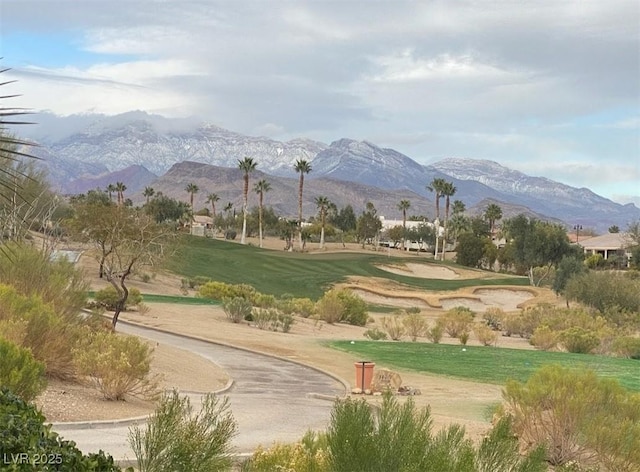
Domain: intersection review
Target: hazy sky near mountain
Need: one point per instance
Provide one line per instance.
(546, 87)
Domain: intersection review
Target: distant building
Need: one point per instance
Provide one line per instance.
(202, 225)
(607, 245)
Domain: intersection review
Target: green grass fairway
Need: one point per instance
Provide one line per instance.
(486, 364)
(302, 275)
(152, 298)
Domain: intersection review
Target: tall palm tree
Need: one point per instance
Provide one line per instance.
(261, 188)
(492, 214)
(436, 186)
(301, 166)
(148, 193)
(458, 207)
(246, 165)
(213, 198)
(403, 206)
(120, 188)
(111, 188)
(448, 191)
(191, 189)
(323, 205)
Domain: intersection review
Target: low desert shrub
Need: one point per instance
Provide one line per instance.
(435, 333)
(304, 307)
(108, 298)
(355, 308)
(308, 455)
(494, 316)
(176, 438)
(627, 346)
(219, 291)
(26, 431)
(117, 365)
(414, 325)
(393, 326)
(485, 335)
(577, 417)
(329, 308)
(544, 338)
(579, 340)
(236, 309)
(456, 321)
(375, 334)
(20, 372)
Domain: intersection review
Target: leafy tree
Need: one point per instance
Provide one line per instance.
(148, 193)
(261, 188)
(345, 219)
(436, 186)
(323, 205)
(492, 214)
(536, 244)
(569, 266)
(126, 239)
(480, 227)
(403, 206)
(247, 166)
(614, 229)
(396, 234)
(459, 224)
(302, 167)
(165, 209)
(469, 250)
(368, 224)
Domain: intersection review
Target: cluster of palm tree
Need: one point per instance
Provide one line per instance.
(118, 188)
(442, 189)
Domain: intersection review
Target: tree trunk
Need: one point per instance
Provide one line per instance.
(260, 218)
(122, 302)
(300, 210)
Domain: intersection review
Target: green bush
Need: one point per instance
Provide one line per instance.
(435, 333)
(605, 290)
(329, 308)
(20, 372)
(544, 338)
(577, 417)
(627, 346)
(117, 365)
(108, 298)
(456, 321)
(176, 438)
(24, 432)
(375, 334)
(354, 308)
(236, 309)
(579, 340)
(220, 290)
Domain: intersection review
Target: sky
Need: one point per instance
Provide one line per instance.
(550, 88)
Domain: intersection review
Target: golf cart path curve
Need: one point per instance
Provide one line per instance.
(272, 399)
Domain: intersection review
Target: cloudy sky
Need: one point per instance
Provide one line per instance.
(547, 87)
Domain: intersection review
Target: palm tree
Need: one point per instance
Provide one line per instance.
(261, 188)
(120, 188)
(448, 191)
(213, 198)
(303, 167)
(191, 189)
(492, 214)
(403, 206)
(458, 207)
(323, 205)
(111, 188)
(148, 193)
(246, 165)
(436, 186)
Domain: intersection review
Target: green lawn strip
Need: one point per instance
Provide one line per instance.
(486, 364)
(302, 275)
(153, 298)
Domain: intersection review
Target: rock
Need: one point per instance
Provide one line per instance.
(356, 391)
(377, 394)
(368, 392)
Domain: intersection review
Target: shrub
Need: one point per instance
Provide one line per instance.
(415, 325)
(627, 346)
(486, 336)
(434, 334)
(544, 338)
(264, 301)
(464, 338)
(117, 365)
(605, 290)
(176, 438)
(355, 308)
(307, 455)
(456, 321)
(330, 307)
(393, 327)
(304, 307)
(262, 318)
(285, 322)
(375, 334)
(579, 340)
(494, 316)
(20, 372)
(25, 431)
(108, 298)
(577, 417)
(236, 309)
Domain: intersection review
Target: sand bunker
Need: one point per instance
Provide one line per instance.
(424, 271)
(400, 302)
(505, 299)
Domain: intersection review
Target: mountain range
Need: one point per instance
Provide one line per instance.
(147, 150)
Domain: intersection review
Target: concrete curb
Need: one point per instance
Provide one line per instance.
(94, 424)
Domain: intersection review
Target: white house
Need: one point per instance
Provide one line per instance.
(607, 245)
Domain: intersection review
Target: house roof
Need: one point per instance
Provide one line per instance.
(202, 219)
(606, 241)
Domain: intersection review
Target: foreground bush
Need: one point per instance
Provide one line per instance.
(395, 437)
(237, 309)
(24, 432)
(578, 417)
(117, 365)
(342, 306)
(178, 439)
(20, 372)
